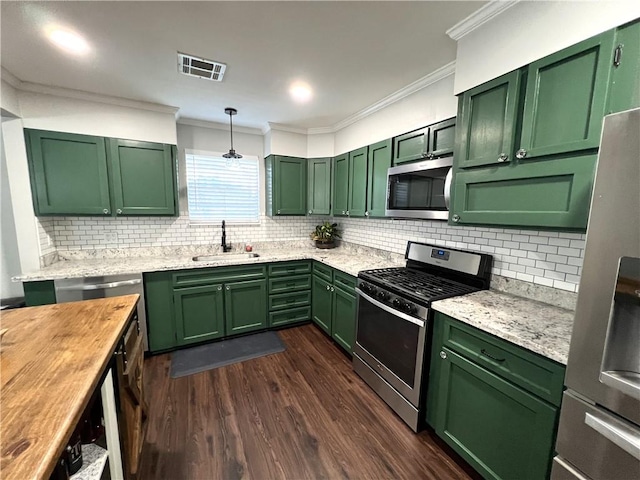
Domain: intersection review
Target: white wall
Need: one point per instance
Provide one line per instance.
(428, 105)
(287, 143)
(529, 31)
(320, 145)
(48, 112)
(9, 99)
(9, 253)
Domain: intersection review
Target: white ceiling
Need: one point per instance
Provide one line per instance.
(352, 53)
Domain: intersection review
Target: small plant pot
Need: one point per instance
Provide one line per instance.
(325, 244)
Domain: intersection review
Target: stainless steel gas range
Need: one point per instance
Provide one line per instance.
(394, 320)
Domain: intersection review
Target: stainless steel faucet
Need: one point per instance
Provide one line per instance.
(225, 247)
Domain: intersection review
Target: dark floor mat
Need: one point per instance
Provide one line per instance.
(214, 355)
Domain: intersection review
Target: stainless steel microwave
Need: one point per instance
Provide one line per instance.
(420, 190)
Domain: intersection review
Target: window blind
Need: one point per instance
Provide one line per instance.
(223, 189)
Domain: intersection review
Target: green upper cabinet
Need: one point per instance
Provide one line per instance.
(442, 137)
(411, 146)
(486, 134)
(83, 175)
(245, 306)
(341, 184)
(143, 178)
(379, 162)
(319, 186)
(199, 313)
(565, 99)
(357, 182)
(625, 77)
(69, 173)
(286, 185)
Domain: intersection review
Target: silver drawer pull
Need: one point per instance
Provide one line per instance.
(100, 286)
(487, 354)
(624, 437)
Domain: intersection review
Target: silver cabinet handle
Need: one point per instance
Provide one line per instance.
(278, 212)
(619, 434)
(424, 155)
(119, 211)
(443, 354)
(105, 211)
(310, 212)
(328, 287)
(228, 287)
(343, 212)
(521, 153)
(101, 286)
(347, 212)
(503, 157)
(332, 289)
(456, 218)
(431, 155)
(366, 214)
(220, 288)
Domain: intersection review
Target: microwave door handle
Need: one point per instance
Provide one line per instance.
(447, 189)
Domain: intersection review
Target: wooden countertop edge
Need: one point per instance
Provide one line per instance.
(60, 438)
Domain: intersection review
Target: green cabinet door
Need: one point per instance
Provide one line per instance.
(357, 182)
(290, 192)
(442, 138)
(39, 293)
(379, 162)
(245, 306)
(625, 76)
(341, 185)
(554, 193)
(319, 186)
(199, 313)
(565, 99)
(159, 306)
(411, 146)
(143, 178)
(487, 126)
(501, 430)
(344, 318)
(69, 173)
(322, 303)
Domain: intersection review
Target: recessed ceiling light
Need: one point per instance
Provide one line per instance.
(68, 41)
(301, 92)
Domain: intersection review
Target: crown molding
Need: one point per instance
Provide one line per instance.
(320, 130)
(194, 122)
(479, 17)
(285, 128)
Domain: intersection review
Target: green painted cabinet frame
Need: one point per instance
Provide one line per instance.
(319, 186)
(624, 93)
(69, 173)
(286, 185)
(143, 178)
(199, 313)
(340, 185)
(357, 182)
(343, 329)
(379, 161)
(442, 138)
(411, 146)
(322, 303)
(245, 306)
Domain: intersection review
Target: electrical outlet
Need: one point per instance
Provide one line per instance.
(111, 237)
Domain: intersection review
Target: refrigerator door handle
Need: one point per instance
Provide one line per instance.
(622, 436)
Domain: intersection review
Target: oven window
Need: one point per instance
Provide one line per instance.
(423, 190)
(392, 340)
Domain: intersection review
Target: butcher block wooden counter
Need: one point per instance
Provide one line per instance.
(51, 361)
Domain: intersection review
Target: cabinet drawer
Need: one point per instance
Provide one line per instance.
(186, 278)
(289, 300)
(344, 281)
(286, 317)
(538, 375)
(289, 284)
(323, 271)
(289, 268)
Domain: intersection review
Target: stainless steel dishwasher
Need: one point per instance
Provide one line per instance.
(76, 289)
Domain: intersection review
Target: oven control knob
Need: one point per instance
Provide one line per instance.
(366, 287)
(397, 302)
(382, 295)
(409, 308)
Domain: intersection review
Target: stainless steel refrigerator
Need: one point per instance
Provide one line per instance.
(599, 429)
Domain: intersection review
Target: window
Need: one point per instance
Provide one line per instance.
(223, 189)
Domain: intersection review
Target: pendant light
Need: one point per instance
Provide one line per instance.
(232, 153)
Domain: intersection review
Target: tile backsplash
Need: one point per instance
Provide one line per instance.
(552, 259)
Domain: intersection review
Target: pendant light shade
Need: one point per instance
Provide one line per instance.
(232, 153)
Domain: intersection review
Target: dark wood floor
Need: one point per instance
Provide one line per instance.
(298, 414)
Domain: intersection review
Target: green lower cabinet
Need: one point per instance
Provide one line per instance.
(39, 293)
(199, 313)
(159, 303)
(501, 430)
(554, 194)
(344, 319)
(245, 306)
(322, 303)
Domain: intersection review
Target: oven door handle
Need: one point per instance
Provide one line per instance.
(387, 308)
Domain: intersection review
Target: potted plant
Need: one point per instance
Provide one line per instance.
(325, 234)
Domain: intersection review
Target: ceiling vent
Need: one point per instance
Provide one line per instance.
(200, 67)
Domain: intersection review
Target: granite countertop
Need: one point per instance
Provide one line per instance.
(536, 326)
(347, 260)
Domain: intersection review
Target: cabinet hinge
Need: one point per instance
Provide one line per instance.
(617, 56)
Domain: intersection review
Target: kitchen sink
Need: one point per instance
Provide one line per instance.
(225, 257)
